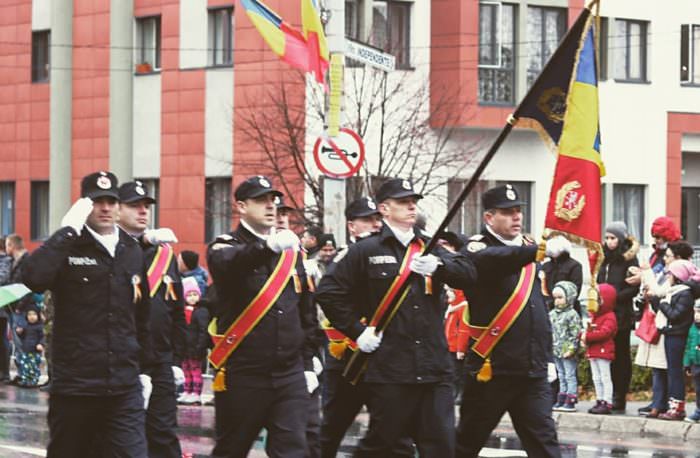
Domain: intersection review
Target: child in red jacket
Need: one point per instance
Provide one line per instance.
(598, 337)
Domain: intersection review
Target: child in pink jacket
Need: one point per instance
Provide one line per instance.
(598, 337)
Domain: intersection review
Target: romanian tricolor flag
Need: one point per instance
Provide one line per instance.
(303, 51)
(315, 39)
(563, 106)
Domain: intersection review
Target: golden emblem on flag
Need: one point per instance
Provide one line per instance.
(569, 202)
(552, 103)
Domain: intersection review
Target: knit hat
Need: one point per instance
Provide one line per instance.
(664, 227)
(569, 289)
(618, 229)
(189, 284)
(190, 259)
(684, 270)
(557, 245)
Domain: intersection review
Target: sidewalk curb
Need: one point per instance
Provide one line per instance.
(617, 424)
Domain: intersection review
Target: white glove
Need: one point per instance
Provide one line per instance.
(283, 240)
(425, 265)
(311, 381)
(146, 389)
(557, 245)
(159, 236)
(318, 367)
(178, 375)
(551, 372)
(78, 214)
(368, 340)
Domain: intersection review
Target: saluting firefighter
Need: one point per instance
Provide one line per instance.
(167, 318)
(101, 327)
(263, 331)
(409, 375)
(510, 345)
(342, 401)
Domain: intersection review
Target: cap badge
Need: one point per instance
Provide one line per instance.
(139, 190)
(263, 182)
(104, 182)
(406, 185)
(277, 200)
(371, 204)
(510, 194)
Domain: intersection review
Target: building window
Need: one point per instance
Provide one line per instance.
(41, 56)
(352, 19)
(469, 219)
(391, 29)
(628, 206)
(497, 53)
(40, 210)
(690, 54)
(147, 44)
(217, 219)
(7, 208)
(631, 46)
(153, 186)
(545, 29)
(221, 36)
(603, 49)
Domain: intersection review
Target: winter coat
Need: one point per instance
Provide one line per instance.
(563, 267)
(202, 277)
(197, 337)
(614, 271)
(566, 329)
(600, 336)
(5, 268)
(452, 322)
(31, 336)
(677, 305)
(691, 357)
(16, 276)
(653, 355)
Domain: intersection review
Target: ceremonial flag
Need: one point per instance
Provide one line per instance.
(306, 51)
(315, 39)
(563, 107)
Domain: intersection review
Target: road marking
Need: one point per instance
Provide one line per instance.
(500, 453)
(21, 449)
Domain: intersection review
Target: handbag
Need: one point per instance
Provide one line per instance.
(647, 330)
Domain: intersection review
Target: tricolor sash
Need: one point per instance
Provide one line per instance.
(159, 267)
(387, 307)
(225, 344)
(337, 341)
(488, 337)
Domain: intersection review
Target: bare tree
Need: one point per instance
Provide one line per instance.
(408, 135)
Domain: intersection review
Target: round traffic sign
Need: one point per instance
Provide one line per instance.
(340, 157)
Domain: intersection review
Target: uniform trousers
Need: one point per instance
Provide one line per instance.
(341, 403)
(161, 417)
(313, 426)
(76, 423)
(424, 412)
(245, 408)
(528, 401)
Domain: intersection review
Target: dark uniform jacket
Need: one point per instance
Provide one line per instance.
(280, 346)
(414, 347)
(167, 316)
(100, 335)
(526, 348)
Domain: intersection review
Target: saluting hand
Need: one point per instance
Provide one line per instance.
(78, 214)
(283, 240)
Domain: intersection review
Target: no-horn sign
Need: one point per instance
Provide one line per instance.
(340, 157)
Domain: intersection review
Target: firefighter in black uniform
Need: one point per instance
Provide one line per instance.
(266, 382)
(100, 332)
(167, 317)
(409, 376)
(342, 400)
(518, 363)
